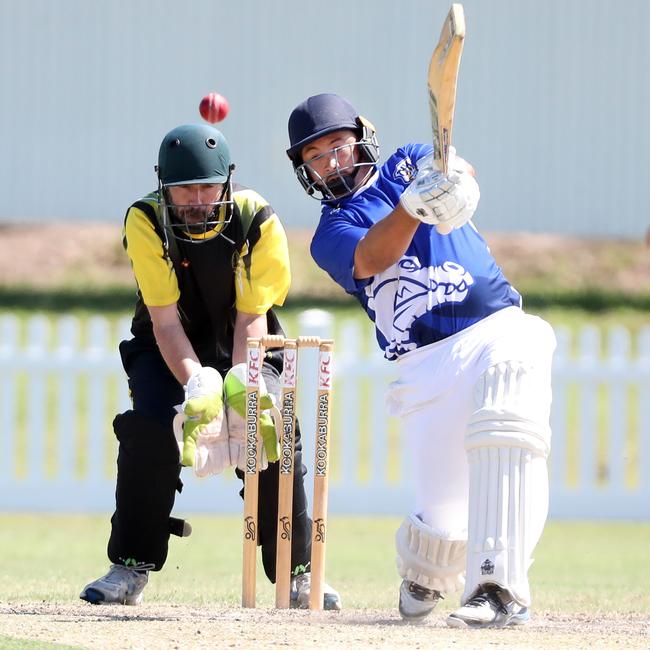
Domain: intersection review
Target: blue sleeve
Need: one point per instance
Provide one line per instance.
(417, 151)
(333, 249)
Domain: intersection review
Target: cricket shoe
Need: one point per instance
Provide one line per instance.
(416, 602)
(301, 588)
(121, 585)
(490, 607)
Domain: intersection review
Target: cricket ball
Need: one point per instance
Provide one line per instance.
(213, 107)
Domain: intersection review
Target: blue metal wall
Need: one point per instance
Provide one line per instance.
(552, 99)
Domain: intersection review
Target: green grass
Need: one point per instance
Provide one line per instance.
(10, 643)
(121, 299)
(572, 315)
(68, 299)
(591, 300)
(579, 567)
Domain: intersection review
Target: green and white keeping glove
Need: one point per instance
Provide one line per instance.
(235, 396)
(202, 421)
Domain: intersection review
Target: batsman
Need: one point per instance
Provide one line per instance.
(474, 370)
(210, 259)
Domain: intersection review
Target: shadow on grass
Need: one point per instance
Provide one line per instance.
(589, 300)
(106, 299)
(122, 299)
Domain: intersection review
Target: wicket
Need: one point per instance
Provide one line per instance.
(254, 358)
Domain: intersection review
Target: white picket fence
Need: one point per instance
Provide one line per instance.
(61, 384)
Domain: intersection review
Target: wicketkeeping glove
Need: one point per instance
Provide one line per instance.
(446, 202)
(203, 408)
(235, 396)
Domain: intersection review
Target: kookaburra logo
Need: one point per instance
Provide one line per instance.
(487, 568)
(319, 535)
(286, 528)
(407, 291)
(249, 523)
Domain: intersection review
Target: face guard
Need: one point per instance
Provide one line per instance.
(343, 180)
(197, 223)
(195, 155)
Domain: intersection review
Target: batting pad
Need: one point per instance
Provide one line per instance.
(429, 558)
(507, 443)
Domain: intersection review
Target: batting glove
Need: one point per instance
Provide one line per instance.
(446, 202)
(235, 394)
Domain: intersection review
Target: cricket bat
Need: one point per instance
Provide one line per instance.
(443, 75)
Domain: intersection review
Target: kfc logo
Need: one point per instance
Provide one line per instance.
(253, 367)
(290, 359)
(325, 371)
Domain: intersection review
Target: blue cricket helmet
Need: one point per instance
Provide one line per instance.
(317, 116)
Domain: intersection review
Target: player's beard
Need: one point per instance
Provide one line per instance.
(341, 182)
(193, 218)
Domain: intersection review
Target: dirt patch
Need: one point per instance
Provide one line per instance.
(152, 626)
(558, 262)
(65, 255)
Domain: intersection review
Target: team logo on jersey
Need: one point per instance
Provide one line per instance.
(405, 170)
(407, 291)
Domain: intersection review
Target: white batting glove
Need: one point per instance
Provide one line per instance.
(446, 202)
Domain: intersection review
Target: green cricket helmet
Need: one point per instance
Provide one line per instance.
(195, 154)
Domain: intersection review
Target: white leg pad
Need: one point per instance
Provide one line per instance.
(507, 444)
(430, 558)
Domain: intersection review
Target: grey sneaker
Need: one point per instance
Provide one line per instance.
(121, 585)
(416, 602)
(301, 588)
(490, 607)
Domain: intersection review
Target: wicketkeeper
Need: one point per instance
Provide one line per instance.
(474, 387)
(210, 258)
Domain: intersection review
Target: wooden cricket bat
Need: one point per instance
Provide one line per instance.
(443, 75)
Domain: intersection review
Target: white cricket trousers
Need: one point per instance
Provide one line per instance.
(434, 398)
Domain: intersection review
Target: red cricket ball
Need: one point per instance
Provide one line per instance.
(213, 107)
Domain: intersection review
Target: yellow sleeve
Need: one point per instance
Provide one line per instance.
(263, 274)
(153, 272)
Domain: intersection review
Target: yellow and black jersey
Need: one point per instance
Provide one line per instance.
(247, 269)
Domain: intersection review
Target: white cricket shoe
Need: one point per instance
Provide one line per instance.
(121, 585)
(416, 602)
(301, 588)
(490, 607)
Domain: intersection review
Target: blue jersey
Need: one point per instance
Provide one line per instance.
(440, 286)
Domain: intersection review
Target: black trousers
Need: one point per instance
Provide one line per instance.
(148, 471)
